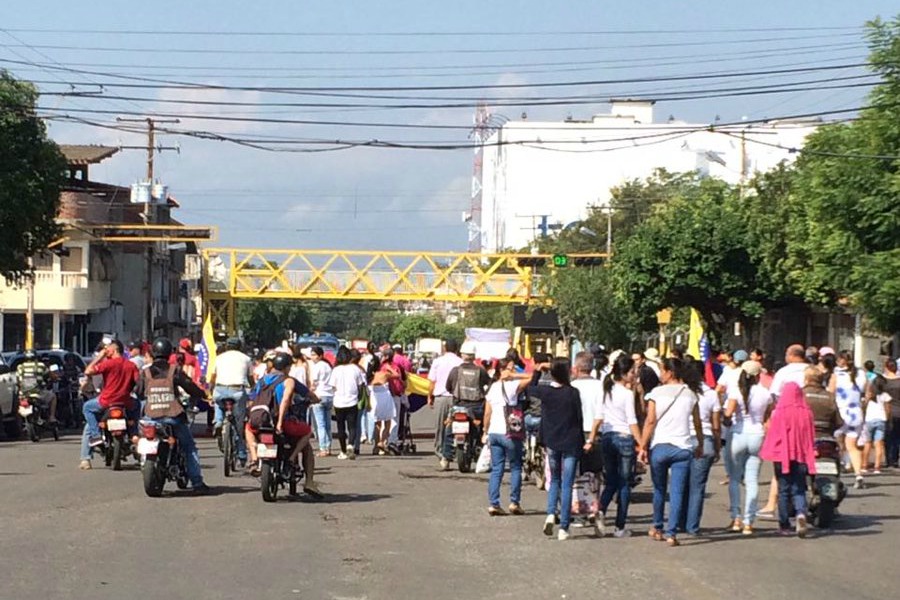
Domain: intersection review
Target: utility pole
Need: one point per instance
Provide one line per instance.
(148, 218)
(29, 309)
(609, 216)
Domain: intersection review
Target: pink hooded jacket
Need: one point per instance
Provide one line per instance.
(791, 436)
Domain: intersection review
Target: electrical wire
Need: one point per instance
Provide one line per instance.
(795, 150)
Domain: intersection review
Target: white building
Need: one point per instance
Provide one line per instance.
(540, 174)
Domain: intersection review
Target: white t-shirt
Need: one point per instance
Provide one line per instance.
(345, 381)
(320, 373)
(497, 401)
(791, 372)
(674, 407)
(618, 410)
(299, 372)
(709, 404)
(849, 397)
(875, 408)
(233, 368)
(759, 401)
(729, 378)
(591, 391)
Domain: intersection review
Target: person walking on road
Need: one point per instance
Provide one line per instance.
(617, 420)
(320, 373)
(504, 445)
(848, 384)
(671, 407)
(562, 431)
(749, 406)
(878, 415)
(892, 389)
(439, 398)
(710, 418)
(347, 381)
(790, 445)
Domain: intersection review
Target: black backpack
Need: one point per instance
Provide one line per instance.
(468, 383)
(266, 394)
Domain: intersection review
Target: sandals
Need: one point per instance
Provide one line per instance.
(672, 541)
(655, 535)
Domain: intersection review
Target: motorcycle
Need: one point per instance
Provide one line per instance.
(230, 437)
(115, 425)
(466, 431)
(35, 416)
(827, 490)
(534, 459)
(161, 458)
(276, 470)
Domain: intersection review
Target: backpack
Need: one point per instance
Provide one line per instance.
(160, 393)
(468, 384)
(265, 394)
(515, 417)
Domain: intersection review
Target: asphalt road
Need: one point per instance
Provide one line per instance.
(395, 528)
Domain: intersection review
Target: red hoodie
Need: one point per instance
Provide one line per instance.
(792, 433)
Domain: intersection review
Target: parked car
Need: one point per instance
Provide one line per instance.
(8, 406)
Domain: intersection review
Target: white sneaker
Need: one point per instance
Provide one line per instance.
(549, 522)
(445, 464)
(351, 455)
(342, 456)
(801, 526)
(621, 533)
(563, 535)
(600, 524)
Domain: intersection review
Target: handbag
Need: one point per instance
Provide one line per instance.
(515, 417)
(592, 460)
(364, 402)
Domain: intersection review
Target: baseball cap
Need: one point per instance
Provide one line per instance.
(751, 368)
(468, 348)
(741, 356)
(826, 350)
(185, 344)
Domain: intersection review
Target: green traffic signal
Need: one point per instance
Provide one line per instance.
(560, 260)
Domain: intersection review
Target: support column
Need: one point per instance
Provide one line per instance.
(57, 323)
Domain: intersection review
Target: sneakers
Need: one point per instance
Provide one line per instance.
(621, 533)
(445, 464)
(202, 490)
(860, 483)
(600, 524)
(95, 441)
(549, 522)
(342, 456)
(748, 530)
(876, 472)
(85, 465)
(515, 509)
(496, 511)
(801, 526)
(736, 526)
(351, 455)
(563, 535)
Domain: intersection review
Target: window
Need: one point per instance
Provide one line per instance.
(43, 261)
(73, 263)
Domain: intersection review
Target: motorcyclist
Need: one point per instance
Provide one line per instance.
(33, 379)
(826, 415)
(159, 387)
(119, 378)
(289, 411)
(467, 383)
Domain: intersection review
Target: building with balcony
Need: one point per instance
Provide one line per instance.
(94, 285)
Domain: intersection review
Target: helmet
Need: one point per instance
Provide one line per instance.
(468, 348)
(282, 361)
(233, 343)
(162, 348)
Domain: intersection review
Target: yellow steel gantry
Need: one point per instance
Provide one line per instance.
(231, 274)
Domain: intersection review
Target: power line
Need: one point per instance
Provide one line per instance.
(795, 150)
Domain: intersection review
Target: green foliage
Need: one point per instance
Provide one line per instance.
(587, 306)
(267, 323)
(493, 316)
(32, 170)
(413, 327)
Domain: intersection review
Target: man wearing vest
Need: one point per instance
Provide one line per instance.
(33, 379)
(467, 384)
(158, 386)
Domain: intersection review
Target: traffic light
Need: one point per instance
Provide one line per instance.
(588, 261)
(531, 261)
(560, 260)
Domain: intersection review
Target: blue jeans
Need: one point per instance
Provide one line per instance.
(85, 443)
(744, 453)
(692, 510)
(893, 450)
(239, 395)
(92, 412)
(322, 414)
(791, 486)
(663, 458)
(618, 462)
(186, 444)
(476, 411)
(563, 466)
(503, 449)
(367, 425)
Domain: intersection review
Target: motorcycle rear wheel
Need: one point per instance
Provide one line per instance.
(268, 482)
(154, 481)
(463, 460)
(227, 448)
(825, 514)
(117, 454)
(32, 430)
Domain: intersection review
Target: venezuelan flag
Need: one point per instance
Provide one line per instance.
(417, 391)
(207, 354)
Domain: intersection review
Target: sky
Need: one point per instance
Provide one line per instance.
(245, 67)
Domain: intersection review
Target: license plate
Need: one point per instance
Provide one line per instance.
(826, 468)
(264, 451)
(146, 446)
(25, 411)
(460, 427)
(116, 424)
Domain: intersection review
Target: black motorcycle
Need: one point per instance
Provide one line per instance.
(466, 432)
(35, 415)
(827, 490)
(115, 426)
(161, 458)
(276, 470)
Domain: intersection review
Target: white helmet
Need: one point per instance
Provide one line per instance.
(468, 348)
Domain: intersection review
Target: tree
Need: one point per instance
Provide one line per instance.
(413, 327)
(32, 170)
(267, 323)
(491, 316)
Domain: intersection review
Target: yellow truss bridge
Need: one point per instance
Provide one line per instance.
(231, 274)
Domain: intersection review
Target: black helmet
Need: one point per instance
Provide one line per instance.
(233, 343)
(162, 348)
(282, 361)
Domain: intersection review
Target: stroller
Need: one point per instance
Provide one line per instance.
(405, 443)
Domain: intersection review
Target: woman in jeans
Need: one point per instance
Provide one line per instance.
(790, 445)
(563, 436)
(671, 407)
(619, 432)
(749, 406)
(347, 380)
(504, 391)
(710, 413)
(319, 373)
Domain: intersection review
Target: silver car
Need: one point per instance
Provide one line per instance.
(8, 408)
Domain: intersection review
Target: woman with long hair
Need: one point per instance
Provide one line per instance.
(347, 380)
(710, 418)
(671, 407)
(749, 407)
(848, 384)
(319, 374)
(619, 434)
(563, 436)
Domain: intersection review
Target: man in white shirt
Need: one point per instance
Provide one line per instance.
(439, 399)
(795, 365)
(232, 378)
